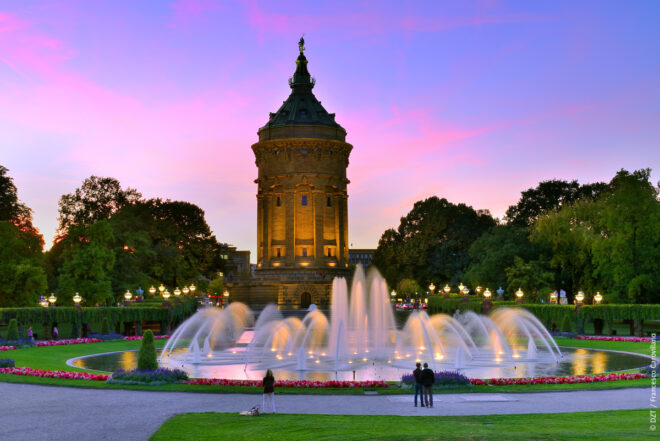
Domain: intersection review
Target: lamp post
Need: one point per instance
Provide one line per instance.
(487, 303)
(177, 292)
(579, 298)
(161, 289)
(166, 294)
(192, 289)
(598, 298)
(431, 288)
(185, 290)
(461, 287)
(127, 298)
(447, 290)
(52, 299)
(152, 290)
(393, 295)
(519, 295)
(478, 290)
(225, 294)
(76, 304)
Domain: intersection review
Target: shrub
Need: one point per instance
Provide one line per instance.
(147, 356)
(12, 330)
(442, 378)
(106, 337)
(6, 363)
(155, 377)
(105, 326)
(566, 324)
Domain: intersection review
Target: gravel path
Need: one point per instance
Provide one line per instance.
(35, 413)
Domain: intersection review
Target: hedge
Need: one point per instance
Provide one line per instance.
(28, 316)
(555, 313)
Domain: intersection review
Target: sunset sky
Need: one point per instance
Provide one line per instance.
(471, 101)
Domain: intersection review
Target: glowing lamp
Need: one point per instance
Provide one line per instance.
(431, 287)
(152, 290)
(77, 299)
(192, 289)
(598, 298)
(161, 288)
(166, 294)
(461, 287)
(487, 293)
(520, 293)
(185, 290)
(52, 299)
(225, 293)
(447, 289)
(393, 293)
(579, 297)
(128, 295)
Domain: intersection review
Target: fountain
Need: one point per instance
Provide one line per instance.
(360, 335)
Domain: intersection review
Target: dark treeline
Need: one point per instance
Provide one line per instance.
(560, 235)
(109, 240)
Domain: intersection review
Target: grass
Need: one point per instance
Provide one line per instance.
(639, 348)
(619, 424)
(55, 357)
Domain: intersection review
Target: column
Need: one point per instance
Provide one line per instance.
(290, 228)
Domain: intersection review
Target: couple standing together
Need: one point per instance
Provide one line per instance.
(424, 379)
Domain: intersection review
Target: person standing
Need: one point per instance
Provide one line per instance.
(30, 334)
(428, 378)
(417, 374)
(269, 392)
(55, 332)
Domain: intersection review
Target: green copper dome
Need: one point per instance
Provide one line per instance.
(302, 115)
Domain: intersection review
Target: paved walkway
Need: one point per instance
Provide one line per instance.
(34, 413)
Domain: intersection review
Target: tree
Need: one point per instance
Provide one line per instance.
(431, 243)
(532, 277)
(22, 277)
(11, 209)
(408, 287)
(494, 251)
(550, 196)
(97, 199)
(627, 254)
(88, 261)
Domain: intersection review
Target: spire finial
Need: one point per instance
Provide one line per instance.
(301, 44)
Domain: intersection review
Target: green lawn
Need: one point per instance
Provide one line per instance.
(607, 425)
(639, 348)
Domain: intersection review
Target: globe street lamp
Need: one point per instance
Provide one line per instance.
(76, 303)
(478, 290)
(447, 290)
(579, 297)
(52, 299)
(225, 294)
(431, 288)
(177, 291)
(127, 295)
(487, 304)
(185, 290)
(393, 295)
(487, 293)
(598, 298)
(166, 294)
(77, 299)
(161, 288)
(192, 289)
(520, 295)
(465, 290)
(461, 287)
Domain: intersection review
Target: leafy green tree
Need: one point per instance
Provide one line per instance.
(627, 256)
(12, 330)
(431, 243)
(550, 196)
(494, 251)
(87, 264)
(216, 285)
(22, 277)
(408, 287)
(97, 199)
(532, 277)
(147, 358)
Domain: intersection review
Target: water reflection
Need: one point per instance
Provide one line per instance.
(576, 361)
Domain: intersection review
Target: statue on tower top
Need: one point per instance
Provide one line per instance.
(301, 44)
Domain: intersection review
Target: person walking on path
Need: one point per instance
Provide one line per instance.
(428, 378)
(269, 392)
(417, 374)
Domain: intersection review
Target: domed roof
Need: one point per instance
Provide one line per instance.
(302, 115)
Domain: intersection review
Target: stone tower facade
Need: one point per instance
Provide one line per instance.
(302, 215)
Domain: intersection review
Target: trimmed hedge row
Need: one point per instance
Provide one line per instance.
(24, 316)
(560, 315)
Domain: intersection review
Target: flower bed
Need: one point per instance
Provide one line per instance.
(605, 338)
(159, 376)
(557, 380)
(29, 372)
(7, 348)
(139, 337)
(442, 378)
(73, 341)
(288, 383)
(6, 363)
